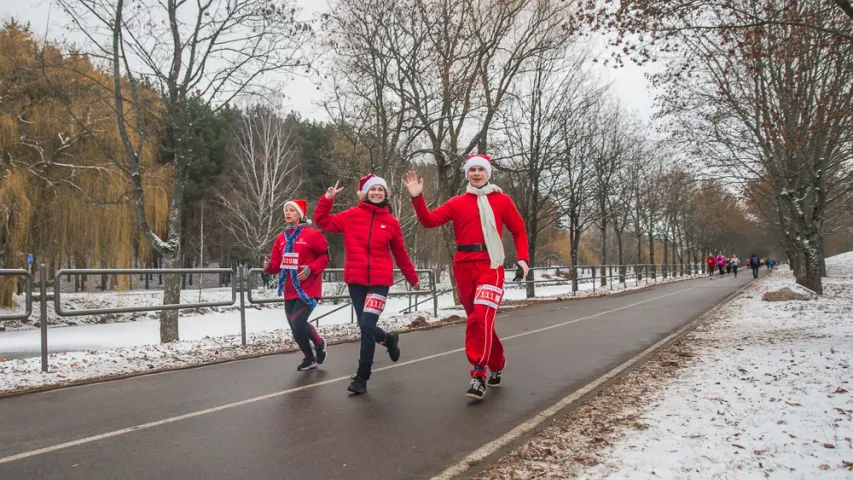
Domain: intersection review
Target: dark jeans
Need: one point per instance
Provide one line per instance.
(722, 269)
(370, 333)
(304, 333)
(734, 270)
(754, 272)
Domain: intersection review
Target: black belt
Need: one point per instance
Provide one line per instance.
(472, 247)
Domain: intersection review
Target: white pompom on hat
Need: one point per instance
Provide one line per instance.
(479, 160)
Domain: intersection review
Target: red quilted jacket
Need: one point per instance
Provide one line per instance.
(371, 235)
(312, 248)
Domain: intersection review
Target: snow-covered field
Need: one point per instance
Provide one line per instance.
(104, 350)
(758, 390)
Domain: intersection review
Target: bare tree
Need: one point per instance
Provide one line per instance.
(607, 156)
(434, 74)
(650, 204)
(769, 106)
(627, 181)
(261, 176)
(207, 50)
(367, 41)
(541, 102)
(574, 172)
(644, 30)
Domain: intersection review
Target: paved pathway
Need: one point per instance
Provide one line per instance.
(261, 419)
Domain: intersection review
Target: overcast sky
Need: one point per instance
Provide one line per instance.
(301, 95)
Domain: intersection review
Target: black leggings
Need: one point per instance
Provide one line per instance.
(370, 333)
(304, 333)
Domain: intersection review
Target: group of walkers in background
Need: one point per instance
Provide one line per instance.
(725, 265)
(373, 243)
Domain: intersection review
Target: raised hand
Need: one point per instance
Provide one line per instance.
(303, 274)
(413, 184)
(332, 191)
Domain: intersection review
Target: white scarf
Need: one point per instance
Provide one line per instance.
(494, 245)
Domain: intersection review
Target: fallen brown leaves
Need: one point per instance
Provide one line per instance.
(573, 442)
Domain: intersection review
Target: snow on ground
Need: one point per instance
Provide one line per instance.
(758, 390)
(69, 367)
(104, 350)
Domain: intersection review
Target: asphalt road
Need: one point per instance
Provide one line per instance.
(261, 419)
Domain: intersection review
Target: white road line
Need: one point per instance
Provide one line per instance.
(165, 421)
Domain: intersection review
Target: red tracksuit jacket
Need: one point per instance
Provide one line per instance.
(312, 249)
(368, 231)
(463, 210)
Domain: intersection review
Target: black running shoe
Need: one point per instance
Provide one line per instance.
(357, 385)
(392, 343)
(307, 364)
(477, 389)
(320, 351)
(494, 380)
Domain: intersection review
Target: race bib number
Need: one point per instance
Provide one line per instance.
(375, 303)
(489, 296)
(289, 261)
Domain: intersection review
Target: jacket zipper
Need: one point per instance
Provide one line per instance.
(369, 235)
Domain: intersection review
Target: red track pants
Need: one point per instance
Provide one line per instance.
(481, 290)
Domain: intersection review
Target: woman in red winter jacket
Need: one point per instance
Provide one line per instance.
(371, 236)
(300, 253)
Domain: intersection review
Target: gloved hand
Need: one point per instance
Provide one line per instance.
(519, 274)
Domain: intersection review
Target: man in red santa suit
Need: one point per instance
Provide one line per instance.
(478, 216)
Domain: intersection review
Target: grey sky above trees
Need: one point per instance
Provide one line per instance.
(302, 94)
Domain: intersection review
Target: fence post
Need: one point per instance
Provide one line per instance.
(593, 280)
(610, 276)
(43, 314)
(434, 293)
(241, 285)
(574, 278)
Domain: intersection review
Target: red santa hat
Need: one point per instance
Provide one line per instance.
(301, 206)
(479, 160)
(371, 180)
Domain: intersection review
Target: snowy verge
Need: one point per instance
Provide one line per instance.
(77, 367)
(757, 390)
(17, 375)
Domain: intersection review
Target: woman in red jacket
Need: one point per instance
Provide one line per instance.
(371, 236)
(300, 253)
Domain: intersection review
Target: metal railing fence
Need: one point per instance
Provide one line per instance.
(242, 289)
